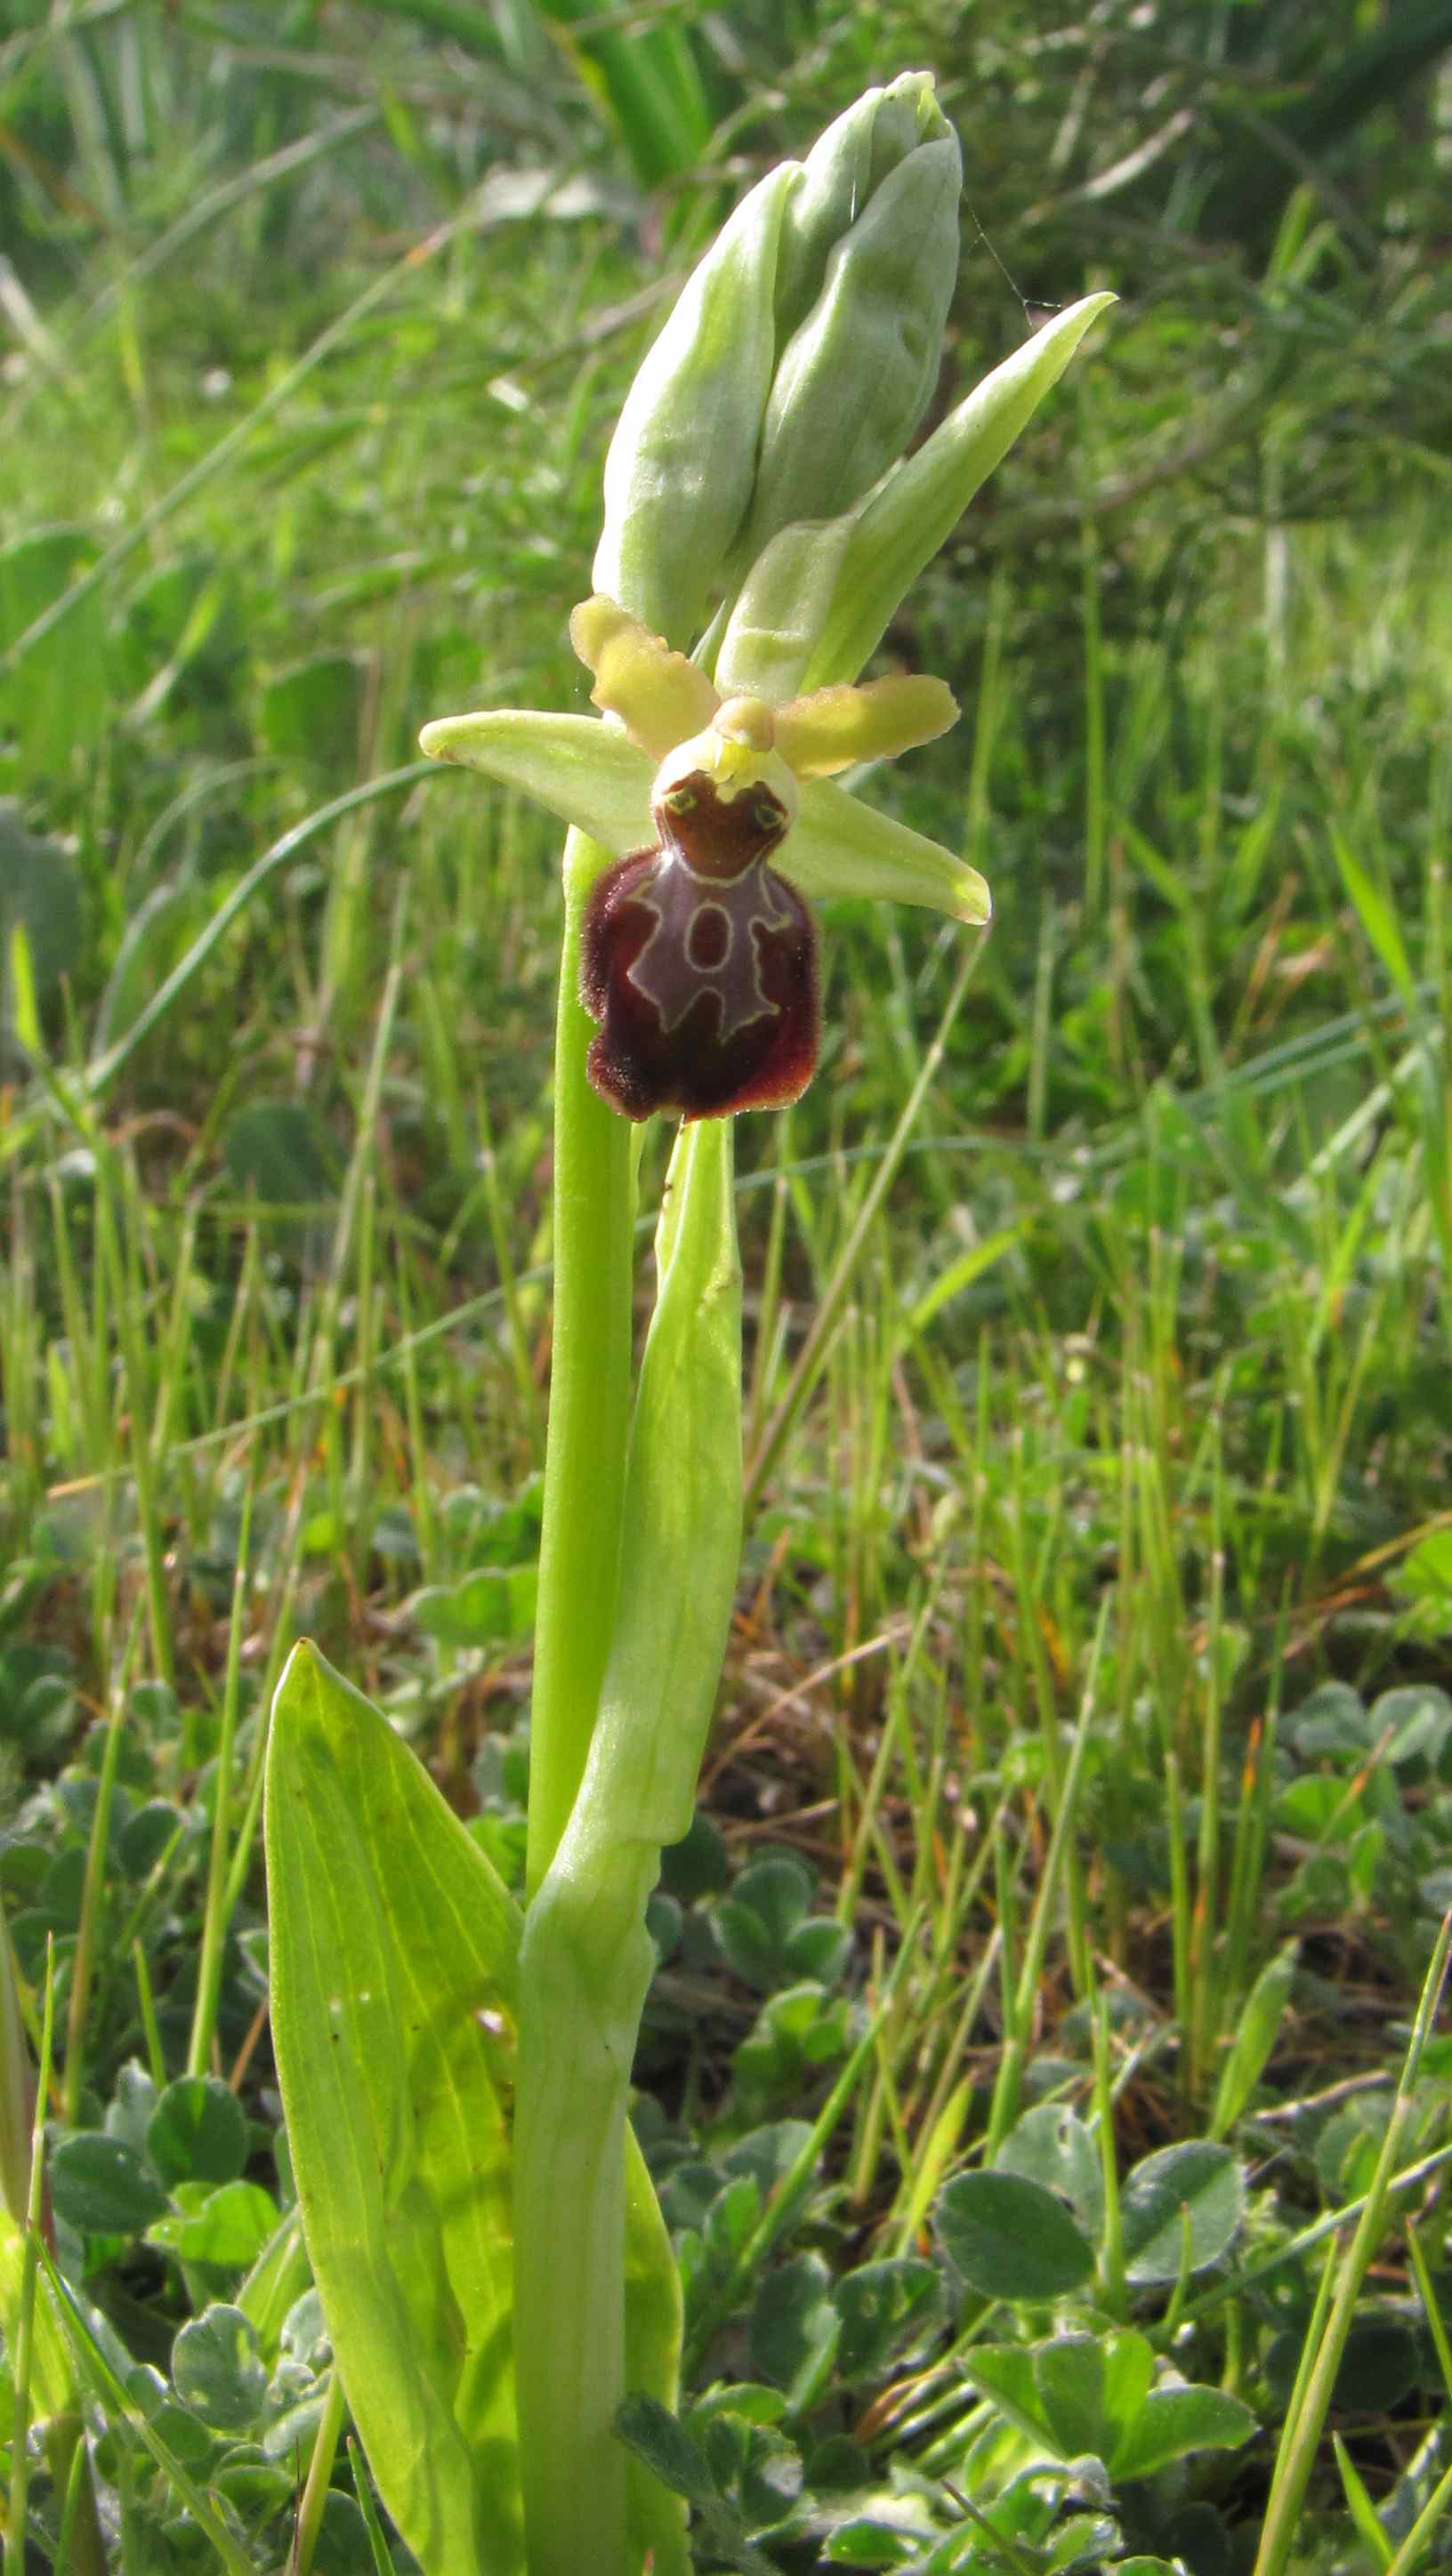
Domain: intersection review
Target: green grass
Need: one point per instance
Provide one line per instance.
(1088, 1705)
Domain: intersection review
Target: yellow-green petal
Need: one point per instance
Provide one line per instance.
(589, 774)
(839, 846)
(659, 696)
(833, 728)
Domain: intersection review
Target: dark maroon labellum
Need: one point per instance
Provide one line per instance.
(700, 963)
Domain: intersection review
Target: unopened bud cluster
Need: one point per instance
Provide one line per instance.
(762, 517)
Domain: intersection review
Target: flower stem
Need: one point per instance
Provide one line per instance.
(589, 1417)
(586, 1957)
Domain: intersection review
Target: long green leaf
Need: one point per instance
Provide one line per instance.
(52, 2393)
(394, 1950)
(650, 80)
(654, 2331)
(1377, 915)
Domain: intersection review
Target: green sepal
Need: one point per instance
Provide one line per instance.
(839, 846)
(796, 361)
(778, 613)
(592, 777)
(588, 774)
(900, 528)
(394, 1979)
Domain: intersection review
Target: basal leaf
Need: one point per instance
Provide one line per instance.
(654, 2319)
(394, 1949)
(393, 1954)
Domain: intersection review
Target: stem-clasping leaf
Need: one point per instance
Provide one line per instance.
(394, 1952)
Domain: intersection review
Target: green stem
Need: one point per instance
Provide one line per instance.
(1325, 2342)
(216, 1918)
(584, 1970)
(21, 2323)
(589, 1417)
(320, 2470)
(586, 1957)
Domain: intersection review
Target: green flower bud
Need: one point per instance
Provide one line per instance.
(796, 364)
(678, 477)
(852, 383)
(841, 174)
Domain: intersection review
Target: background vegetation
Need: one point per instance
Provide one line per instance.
(1081, 1799)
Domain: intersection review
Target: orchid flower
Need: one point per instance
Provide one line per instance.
(698, 954)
